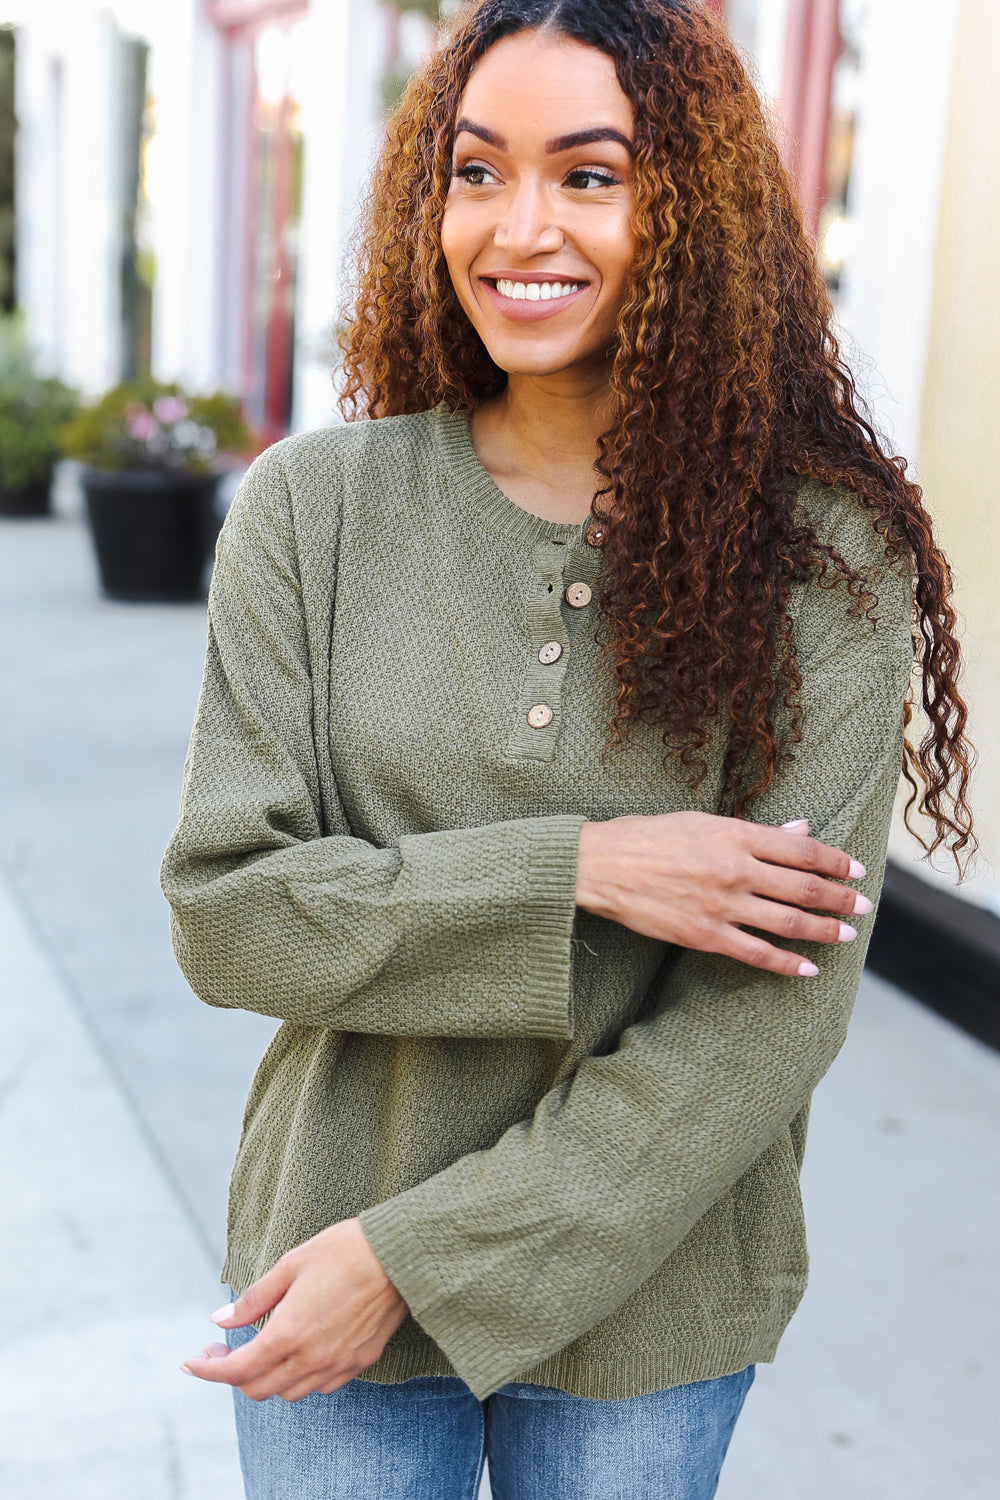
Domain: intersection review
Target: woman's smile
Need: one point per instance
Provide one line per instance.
(530, 299)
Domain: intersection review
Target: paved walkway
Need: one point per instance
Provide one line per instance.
(120, 1099)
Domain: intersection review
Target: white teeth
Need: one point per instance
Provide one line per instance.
(535, 291)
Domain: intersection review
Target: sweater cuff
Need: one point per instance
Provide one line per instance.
(442, 1312)
(550, 908)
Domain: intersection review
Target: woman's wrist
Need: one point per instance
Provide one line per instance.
(592, 890)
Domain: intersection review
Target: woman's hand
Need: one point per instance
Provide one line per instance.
(697, 880)
(334, 1311)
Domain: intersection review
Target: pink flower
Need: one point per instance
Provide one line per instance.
(170, 409)
(142, 425)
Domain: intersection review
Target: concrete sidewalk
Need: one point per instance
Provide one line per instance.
(120, 1101)
(105, 1281)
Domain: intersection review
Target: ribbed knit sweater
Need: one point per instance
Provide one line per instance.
(574, 1150)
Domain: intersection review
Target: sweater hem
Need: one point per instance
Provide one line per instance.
(744, 1341)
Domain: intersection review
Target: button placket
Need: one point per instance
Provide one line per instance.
(536, 729)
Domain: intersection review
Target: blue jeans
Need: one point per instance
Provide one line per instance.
(427, 1438)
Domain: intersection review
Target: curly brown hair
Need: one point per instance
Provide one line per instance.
(726, 381)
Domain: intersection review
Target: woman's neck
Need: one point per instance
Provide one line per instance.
(538, 441)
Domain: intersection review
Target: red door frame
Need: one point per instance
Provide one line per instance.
(240, 21)
(812, 44)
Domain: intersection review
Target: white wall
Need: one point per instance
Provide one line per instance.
(186, 194)
(761, 25)
(342, 121)
(69, 241)
(321, 75)
(905, 89)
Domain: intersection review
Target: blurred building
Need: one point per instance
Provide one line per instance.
(187, 175)
(169, 211)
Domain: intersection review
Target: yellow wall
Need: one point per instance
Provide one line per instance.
(959, 451)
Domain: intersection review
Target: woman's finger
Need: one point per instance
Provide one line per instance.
(257, 1299)
(760, 954)
(800, 852)
(257, 1379)
(291, 1374)
(794, 924)
(794, 888)
(252, 1362)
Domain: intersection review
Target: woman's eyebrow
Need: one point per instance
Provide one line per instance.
(587, 138)
(491, 137)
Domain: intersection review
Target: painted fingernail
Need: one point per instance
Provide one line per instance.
(223, 1314)
(807, 971)
(797, 823)
(857, 870)
(186, 1371)
(862, 906)
(847, 934)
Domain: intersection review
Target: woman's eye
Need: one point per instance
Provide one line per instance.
(475, 174)
(585, 177)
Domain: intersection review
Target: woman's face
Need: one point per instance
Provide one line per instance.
(537, 228)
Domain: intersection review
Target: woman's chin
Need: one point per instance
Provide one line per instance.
(542, 361)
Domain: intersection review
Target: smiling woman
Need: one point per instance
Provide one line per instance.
(551, 716)
(537, 237)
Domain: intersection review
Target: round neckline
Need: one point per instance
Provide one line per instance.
(475, 486)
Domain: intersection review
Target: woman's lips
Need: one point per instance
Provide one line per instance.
(526, 311)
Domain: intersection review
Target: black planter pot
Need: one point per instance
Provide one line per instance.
(31, 500)
(153, 532)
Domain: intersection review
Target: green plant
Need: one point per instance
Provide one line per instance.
(150, 424)
(32, 412)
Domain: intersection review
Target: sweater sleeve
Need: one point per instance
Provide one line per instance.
(511, 1253)
(276, 908)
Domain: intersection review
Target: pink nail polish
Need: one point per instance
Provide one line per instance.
(847, 934)
(857, 870)
(862, 906)
(223, 1314)
(185, 1370)
(807, 971)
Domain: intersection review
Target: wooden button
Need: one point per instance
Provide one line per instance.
(596, 535)
(550, 652)
(540, 716)
(578, 595)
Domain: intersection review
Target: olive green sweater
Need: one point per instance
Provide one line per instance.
(574, 1150)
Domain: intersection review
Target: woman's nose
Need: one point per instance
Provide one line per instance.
(528, 227)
